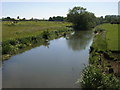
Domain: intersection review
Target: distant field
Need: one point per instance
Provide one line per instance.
(111, 35)
(28, 28)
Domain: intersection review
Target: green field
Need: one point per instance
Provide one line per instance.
(28, 28)
(111, 35)
(105, 43)
(22, 36)
(104, 56)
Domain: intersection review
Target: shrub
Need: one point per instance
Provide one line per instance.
(6, 49)
(45, 34)
(93, 77)
(13, 42)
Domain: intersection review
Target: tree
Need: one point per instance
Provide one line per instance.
(23, 19)
(31, 19)
(81, 18)
(8, 18)
(18, 17)
(113, 19)
(57, 18)
(100, 20)
(50, 19)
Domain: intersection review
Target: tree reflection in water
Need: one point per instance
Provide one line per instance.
(79, 40)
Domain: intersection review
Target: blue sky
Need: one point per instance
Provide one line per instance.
(45, 10)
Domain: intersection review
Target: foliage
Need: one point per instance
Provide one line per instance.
(105, 41)
(57, 18)
(8, 19)
(100, 20)
(81, 18)
(113, 19)
(45, 34)
(92, 77)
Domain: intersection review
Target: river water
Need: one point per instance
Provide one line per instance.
(57, 65)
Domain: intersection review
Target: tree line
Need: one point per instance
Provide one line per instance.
(79, 16)
(22, 19)
(57, 18)
(83, 19)
(113, 19)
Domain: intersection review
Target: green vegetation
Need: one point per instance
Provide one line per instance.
(58, 18)
(105, 42)
(21, 34)
(103, 71)
(25, 34)
(29, 28)
(113, 19)
(81, 18)
(93, 77)
(111, 35)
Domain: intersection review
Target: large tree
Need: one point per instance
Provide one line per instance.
(81, 18)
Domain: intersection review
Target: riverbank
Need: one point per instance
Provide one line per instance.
(104, 59)
(28, 34)
(57, 65)
(104, 50)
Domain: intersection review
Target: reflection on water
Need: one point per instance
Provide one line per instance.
(79, 40)
(53, 65)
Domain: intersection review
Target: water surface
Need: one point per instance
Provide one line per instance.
(57, 65)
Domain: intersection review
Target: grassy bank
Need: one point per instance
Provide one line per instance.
(104, 59)
(28, 34)
(105, 43)
(111, 37)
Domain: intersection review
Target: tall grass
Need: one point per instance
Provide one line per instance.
(94, 78)
(29, 28)
(111, 35)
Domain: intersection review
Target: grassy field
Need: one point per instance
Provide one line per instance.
(24, 35)
(111, 36)
(105, 42)
(28, 28)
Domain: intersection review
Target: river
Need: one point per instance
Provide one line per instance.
(57, 65)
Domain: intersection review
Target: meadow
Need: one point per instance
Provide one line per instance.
(105, 42)
(29, 28)
(111, 36)
(21, 36)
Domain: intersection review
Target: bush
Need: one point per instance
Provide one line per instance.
(45, 34)
(13, 42)
(93, 77)
(6, 49)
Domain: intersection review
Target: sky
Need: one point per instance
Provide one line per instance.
(45, 10)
